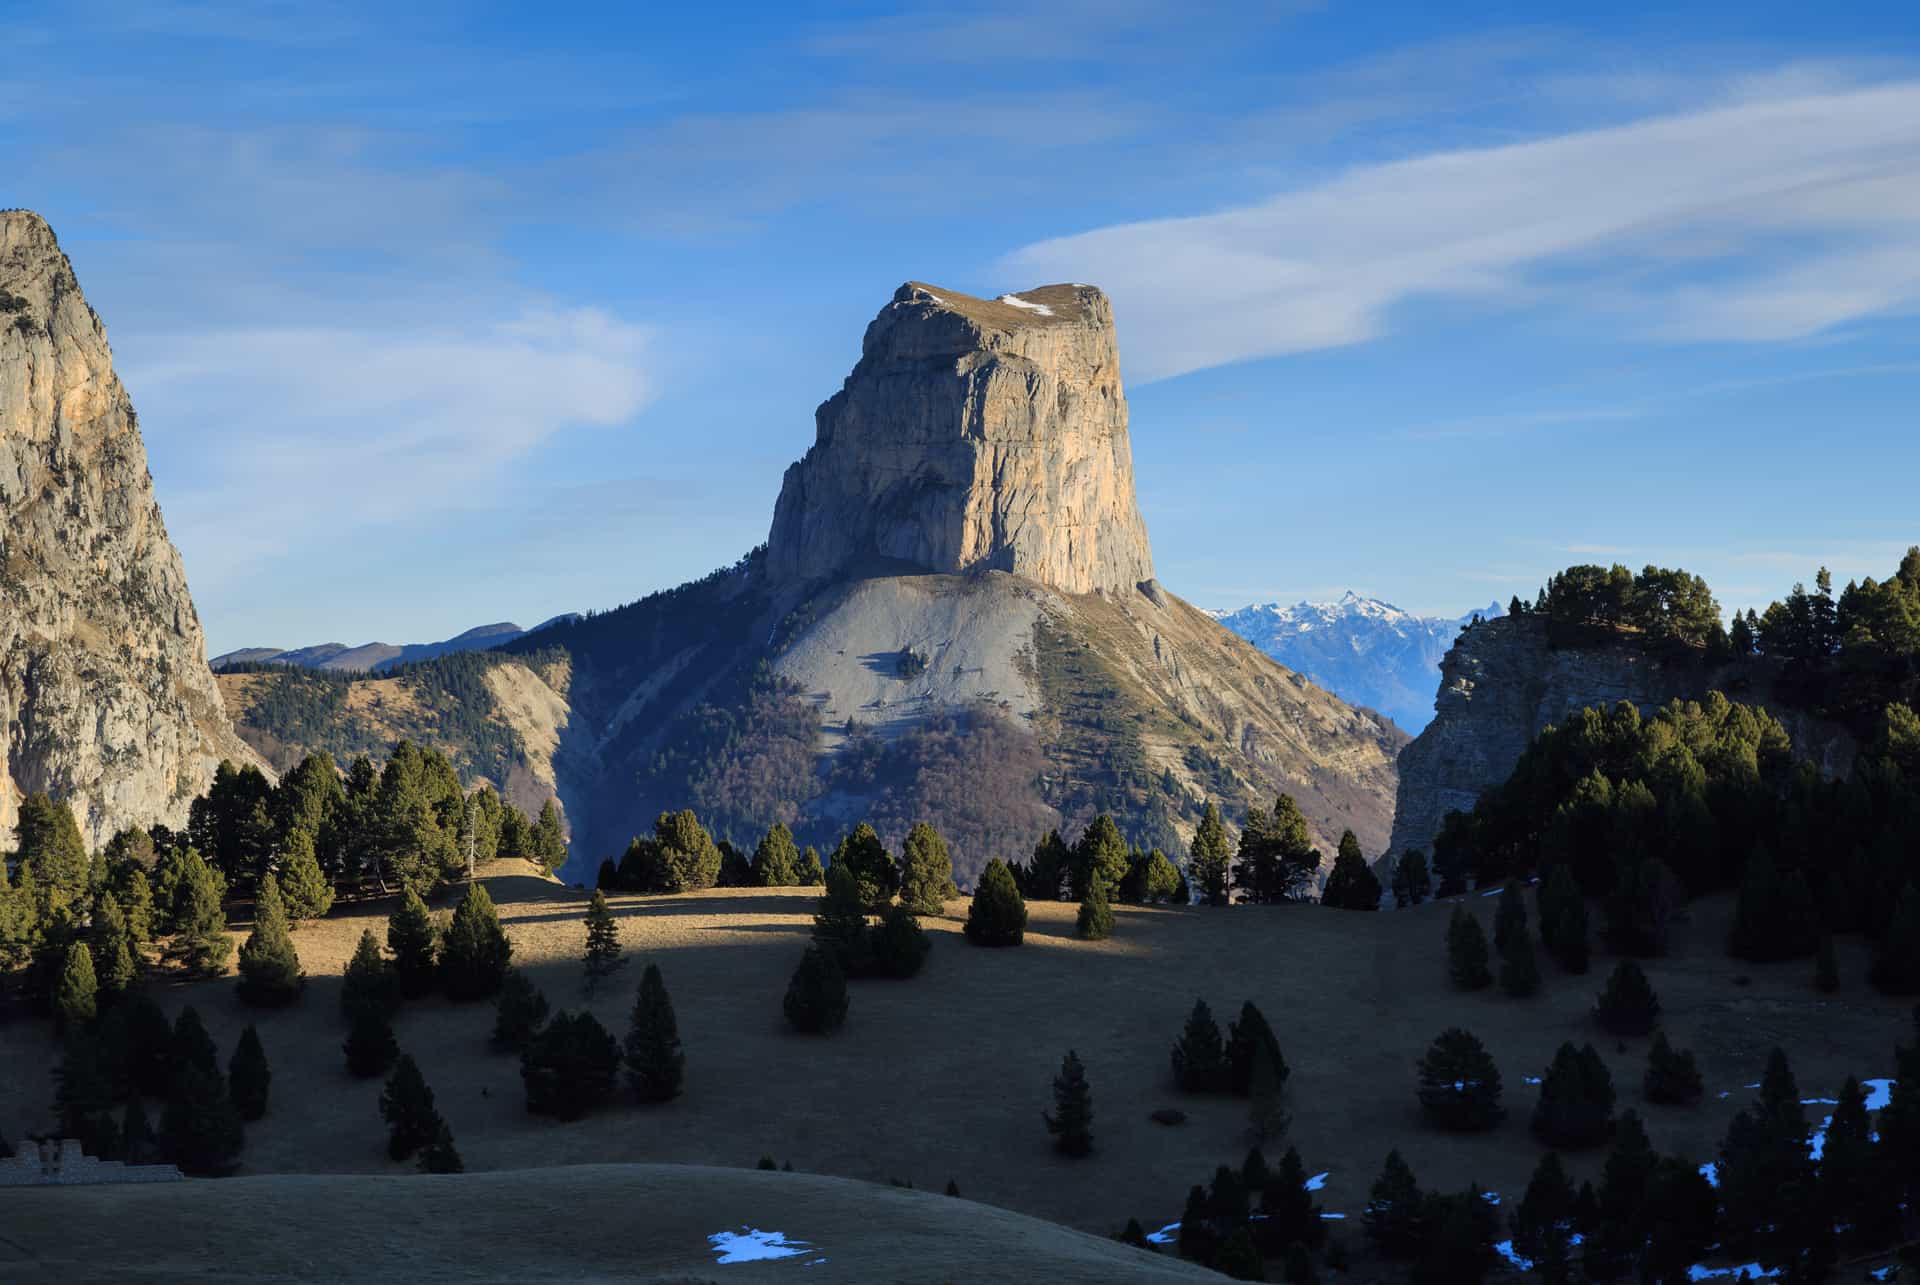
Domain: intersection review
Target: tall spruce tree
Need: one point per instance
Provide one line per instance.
(115, 951)
(1395, 1218)
(1467, 951)
(200, 1129)
(898, 945)
(1100, 853)
(476, 954)
(1199, 1055)
(776, 862)
(270, 975)
(1767, 1178)
(1896, 955)
(1289, 1215)
(1774, 917)
(370, 984)
(549, 838)
(1628, 1005)
(840, 922)
(406, 1104)
(1858, 1191)
(570, 1066)
(1509, 916)
(872, 865)
(1412, 884)
(1563, 919)
(1575, 1107)
(926, 876)
(1351, 885)
(1620, 1227)
(1209, 859)
(656, 1065)
(603, 942)
(76, 993)
(370, 1047)
(200, 942)
(812, 873)
(440, 1155)
(1519, 972)
(191, 1046)
(248, 1077)
(1542, 1224)
(415, 945)
(1095, 920)
(1071, 1121)
(49, 846)
(1459, 1084)
(816, 1001)
(1250, 1037)
(1672, 1077)
(998, 915)
(519, 1011)
(307, 890)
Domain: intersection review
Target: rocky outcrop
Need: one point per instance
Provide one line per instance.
(1503, 681)
(973, 435)
(106, 700)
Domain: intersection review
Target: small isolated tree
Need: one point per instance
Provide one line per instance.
(816, 1002)
(603, 942)
(476, 954)
(1249, 1037)
(1672, 1078)
(812, 873)
(75, 994)
(1071, 1122)
(998, 915)
(304, 886)
(656, 1065)
(411, 938)
(270, 974)
(776, 862)
(1209, 859)
(1395, 1217)
(406, 1104)
(200, 942)
(898, 947)
(1459, 1084)
(570, 1066)
(1467, 951)
(1095, 921)
(1509, 916)
(200, 1129)
(370, 984)
(518, 1011)
(440, 1155)
(370, 1048)
(1412, 884)
(1575, 1109)
(840, 922)
(248, 1076)
(1519, 971)
(1199, 1055)
(926, 876)
(1351, 885)
(1627, 1006)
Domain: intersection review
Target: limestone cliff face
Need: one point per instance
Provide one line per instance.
(973, 435)
(106, 700)
(1503, 682)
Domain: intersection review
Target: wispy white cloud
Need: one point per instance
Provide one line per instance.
(1796, 212)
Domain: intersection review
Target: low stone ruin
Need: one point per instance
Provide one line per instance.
(59, 1162)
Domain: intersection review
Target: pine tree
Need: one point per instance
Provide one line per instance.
(370, 1047)
(200, 942)
(1290, 1215)
(1575, 1108)
(1396, 1216)
(415, 946)
(1095, 921)
(1774, 917)
(1199, 1055)
(736, 871)
(1628, 1005)
(840, 922)
(603, 942)
(248, 1076)
(270, 974)
(1896, 956)
(476, 954)
(1542, 1225)
(1100, 853)
(1900, 1118)
(1209, 859)
(1856, 1183)
(304, 886)
(1351, 885)
(1681, 1220)
(816, 1002)
(549, 839)
(1459, 1084)
(1299, 1268)
(440, 1155)
(84, 1091)
(114, 950)
(1621, 1226)
(1250, 1037)
(812, 873)
(49, 846)
(1563, 920)
(1467, 951)
(406, 1104)
(200, 1130)
(370, 984)
(1239, 1259)
(1460, 1251)
(1766, 1175)
(1412, 884)
(1509, 917)
(191, 1046)
(656, 1066)
(898, 946)
(776, 862)
(1672, 1077)
(872, 865)
(1071, 1122)
(998, 915)
(926, 879)
(1519, 973)
(1042, 878)
(150, 1060)
(519, 1010)
(76, 994)
(1267, 1117)
(570, 1066)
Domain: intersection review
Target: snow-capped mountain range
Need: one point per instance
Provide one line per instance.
(1363, 650)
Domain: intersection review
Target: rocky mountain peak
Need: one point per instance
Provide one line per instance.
(973, 434)
(106, 700)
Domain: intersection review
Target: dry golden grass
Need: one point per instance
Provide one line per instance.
(946, 1075)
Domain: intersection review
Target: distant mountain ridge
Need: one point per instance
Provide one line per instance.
(375, 657)
(1365, 651)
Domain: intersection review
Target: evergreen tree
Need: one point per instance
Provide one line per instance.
(1396, 1216)
(270, 974)
(1672, 1077)
(49, 846)
(440, 1155)
(138, 1146)
(200, 942)
(370, 984)
(304, 886)
(1071, 1122)
(1199, 1055)
(1351, 885)
(736, 871)
(1199, 1240)
(926, 879)
(840, 922)
(872, 865)
(519, 1010)
(1290, 1216)
(1467, 951)
(200, 1129)
(133, 892)
(1267, 1118)
(415, 945)
(1043, 878)
(150, 1059)
(1101, 853)
(76, 994)
(1412, 884)
(776, 862)
(1900, 1119)
(603, 942)
(1563, 920)
(191, 1046)
(570, 1066)
(898, 946)
(1461, 1249)
(1155, 877)
(816, 1002)
(406, 1104)
(1095, 921)
(476, 954)
(248, 1076)
(114, 949)
(1774, 917)
(1239, 1259)
(656, 1066)
(1621, 1226)
(1857, 1187)
(1519, 973)
(370, 1047)
(1459, 1084)
(1509, 917)
(1896, 956)
(1575, 1108)
(998, 915)
(1628, 1005)
(812, 873)
(549, 839)
(682, 857)
(84, 1093)
(1209, 860)
(1681, 1220)
(1767, 1178)
(1542, 1225)
(1248, 1039)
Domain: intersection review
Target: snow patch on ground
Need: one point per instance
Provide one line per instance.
(750, 1244)
(1318, 1181)
(1166, 1235)
(1711, 1172)
(1879, 1094)
(1530, 1079)
(1751, 1270)
(1016, 301)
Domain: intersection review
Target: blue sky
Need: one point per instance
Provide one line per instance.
(481, 312)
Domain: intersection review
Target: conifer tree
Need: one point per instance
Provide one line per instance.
(1774, 917)
(84, 1093)
(150, 1059)
(1672, 1077)
(1896, 956)
(998, 915)
(1542, 1224)
(872, 865)
(133, 892)
(200, 1129)
(926, 877)
(1459, 1084)
(570, 1066)
(76, 994)
(137, 1142)
(776, 862)
(415, 946)
(370, 1047)
(440, 1155)
(370, 984)
(603, 942)
(1412, 884)
(1509, 916)
(1199, 1055)
(1396, 1216)
(1351, 885)
(1100, 853)
(50, 847)
(519, 1010)
(114, 950)
(736, 871)
(1682, 1215)
(1267, 1118)
(1857, 1187)
(1519, 973)
(1249, 1037)
(1239, 1259)
(1766, 1176)
(406, 1104)
(191, 1046)
(549, 839)
(1460, 1251)
(1042, 878)
(1290, 1215)
(307, 891)
(1621, 1225)
(248, 1076)
(1467, 951)
(1575, 1108)
(200, 942)
(898, 947)
(812, 873)
(1095, 921)
(1900, 1119)
(1628, 1005)
(1071, 1122)
(1209, 859)
(270, 974)
(816, 1002)
(840, 922)
(656, 1066)
(476, 954)
(1563, 920)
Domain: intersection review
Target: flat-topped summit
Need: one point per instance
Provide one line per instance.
(973, 434)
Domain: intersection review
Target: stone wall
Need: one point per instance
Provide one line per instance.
(59, 1162)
